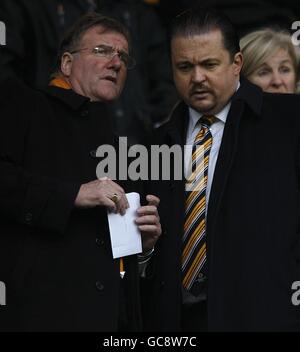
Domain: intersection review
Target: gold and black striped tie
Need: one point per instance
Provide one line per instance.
(194, 241)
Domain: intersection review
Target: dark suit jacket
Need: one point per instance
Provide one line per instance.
(253, 234)
(55, 260)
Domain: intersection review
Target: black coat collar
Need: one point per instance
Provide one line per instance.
(79, 103)
(176, 127)
(68, 96)
(248, 94)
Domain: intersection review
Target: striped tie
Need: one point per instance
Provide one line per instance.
(194, 242)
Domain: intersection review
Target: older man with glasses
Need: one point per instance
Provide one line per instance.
(55, 250)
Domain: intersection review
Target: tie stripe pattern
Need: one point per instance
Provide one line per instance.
(194, 243)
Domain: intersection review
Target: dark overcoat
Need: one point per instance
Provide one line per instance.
(55, 260)
(253, 234)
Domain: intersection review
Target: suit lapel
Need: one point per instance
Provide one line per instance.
(176, 128)
(225, 160)
(176, 134)
(247, 95)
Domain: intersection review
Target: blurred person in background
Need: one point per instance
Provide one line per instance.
(246, 15)
(271, 60)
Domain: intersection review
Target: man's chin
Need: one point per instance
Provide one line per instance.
(203, 108)
(108, 96)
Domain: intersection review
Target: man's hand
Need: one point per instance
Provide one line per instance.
(103, 192)
(149, 223)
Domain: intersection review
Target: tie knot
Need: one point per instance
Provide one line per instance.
(208, 120)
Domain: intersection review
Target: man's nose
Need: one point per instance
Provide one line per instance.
(198, 75)
(115, 61)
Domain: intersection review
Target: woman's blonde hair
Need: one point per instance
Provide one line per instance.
(259, 45)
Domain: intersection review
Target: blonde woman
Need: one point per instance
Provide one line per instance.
(271, 60)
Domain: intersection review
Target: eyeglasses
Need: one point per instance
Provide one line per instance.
(110, 52)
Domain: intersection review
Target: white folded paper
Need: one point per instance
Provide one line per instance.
(124, 233)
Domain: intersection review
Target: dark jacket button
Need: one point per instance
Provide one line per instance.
(99, 286)
(119, 113)
(162, 284)
(84, 113)
(93, 153)
(28, 218)
(99, 242)
(201, 276)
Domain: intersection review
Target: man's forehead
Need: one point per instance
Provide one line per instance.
(96, 33)
(206, 44)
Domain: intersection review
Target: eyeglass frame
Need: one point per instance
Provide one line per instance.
(129, 61)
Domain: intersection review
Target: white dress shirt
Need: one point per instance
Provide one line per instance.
(216, 131)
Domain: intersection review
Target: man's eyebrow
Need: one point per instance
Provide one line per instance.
(112, 47)
(184, 62)
(104, 44)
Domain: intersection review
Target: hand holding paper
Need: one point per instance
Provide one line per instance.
(149, 223)
(126, 230)
(124, 233)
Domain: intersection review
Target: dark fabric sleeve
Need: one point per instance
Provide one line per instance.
(25, 197)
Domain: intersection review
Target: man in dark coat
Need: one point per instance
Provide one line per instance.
(252, 194)
(35, 27)
(55, 252)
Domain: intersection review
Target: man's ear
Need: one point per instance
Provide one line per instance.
(238, 62)
(66, 64)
